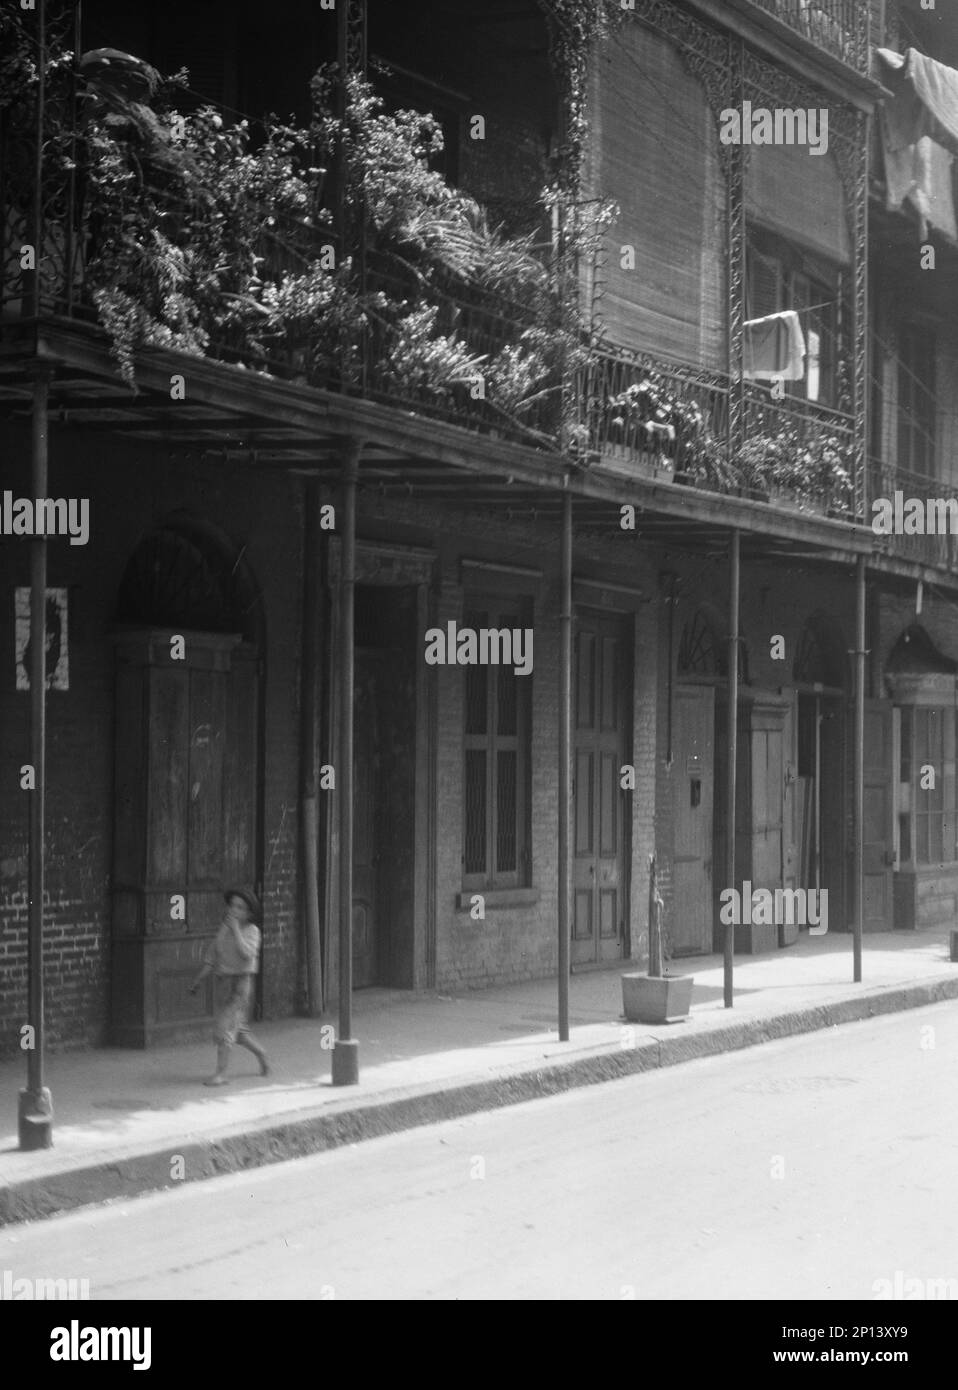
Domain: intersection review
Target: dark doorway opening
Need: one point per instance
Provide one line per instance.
(384, 786)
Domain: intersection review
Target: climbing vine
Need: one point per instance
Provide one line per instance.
(575, 28)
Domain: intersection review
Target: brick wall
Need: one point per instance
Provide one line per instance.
(131, 488)
(519, 942)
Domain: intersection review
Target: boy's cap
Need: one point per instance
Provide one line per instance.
(249, 898)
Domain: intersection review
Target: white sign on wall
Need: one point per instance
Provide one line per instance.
(58, 662)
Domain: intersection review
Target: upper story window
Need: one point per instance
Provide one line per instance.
(781, 277)
(916, 401)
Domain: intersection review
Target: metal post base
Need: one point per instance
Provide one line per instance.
(35, 1119)
(346, 1062)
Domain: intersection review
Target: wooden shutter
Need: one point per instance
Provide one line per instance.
(654, 151)
(799, 195)
(765, 287)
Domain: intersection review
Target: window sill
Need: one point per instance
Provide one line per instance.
(498, 897)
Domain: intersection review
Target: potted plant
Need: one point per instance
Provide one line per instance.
(668, 433)
(656, 997)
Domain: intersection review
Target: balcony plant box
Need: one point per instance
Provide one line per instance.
(655, 997)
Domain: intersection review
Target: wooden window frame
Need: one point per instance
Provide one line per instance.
(802, 281)
(500, 610)
(919, 831)
(916, 441)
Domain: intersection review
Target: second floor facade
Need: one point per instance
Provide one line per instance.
(750, 319)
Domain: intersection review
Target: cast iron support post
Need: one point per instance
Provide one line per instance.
(346, 1048)
(732, 739)
(310, 819)
(860, 654)
(35, 1114)
(565, 760)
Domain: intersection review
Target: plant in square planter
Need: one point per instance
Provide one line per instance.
(656, 997)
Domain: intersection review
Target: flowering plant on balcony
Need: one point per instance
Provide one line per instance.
(814, 471)
(675, 429)
(187, 233)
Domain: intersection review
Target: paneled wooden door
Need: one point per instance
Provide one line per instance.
(186, 824)
(690, 928)
(602, 709)
(773, 802)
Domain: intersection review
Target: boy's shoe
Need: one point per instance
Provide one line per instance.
(216, 1080)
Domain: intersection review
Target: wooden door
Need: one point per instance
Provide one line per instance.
(187, 759)
(202, 739)
(602, 699)
(879, 813)
(791, 838)
(690, 928)
(833, 801)
(366, 838)
(767, 747)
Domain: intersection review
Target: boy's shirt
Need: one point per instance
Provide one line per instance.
(224, 954)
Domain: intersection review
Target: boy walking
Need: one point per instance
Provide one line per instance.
(234, 953)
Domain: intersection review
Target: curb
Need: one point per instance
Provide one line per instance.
(318, 1131)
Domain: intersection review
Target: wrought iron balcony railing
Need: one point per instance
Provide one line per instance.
(838, 27)
(673, 422)
(625, 411)
(484, 325)
(936, 543)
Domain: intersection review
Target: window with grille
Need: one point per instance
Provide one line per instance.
(497, 727)
(927, 806)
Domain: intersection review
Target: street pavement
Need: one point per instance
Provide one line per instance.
(130, 1121)
(814, 1167)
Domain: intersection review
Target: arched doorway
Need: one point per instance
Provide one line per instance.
(188, 745)
(820, 680)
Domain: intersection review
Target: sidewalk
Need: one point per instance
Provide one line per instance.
(121, 1117)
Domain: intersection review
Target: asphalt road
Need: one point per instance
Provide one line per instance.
(808, 1168)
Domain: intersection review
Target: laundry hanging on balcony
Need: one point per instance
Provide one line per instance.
(919, 128)
(923, 174)
(775, 348)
